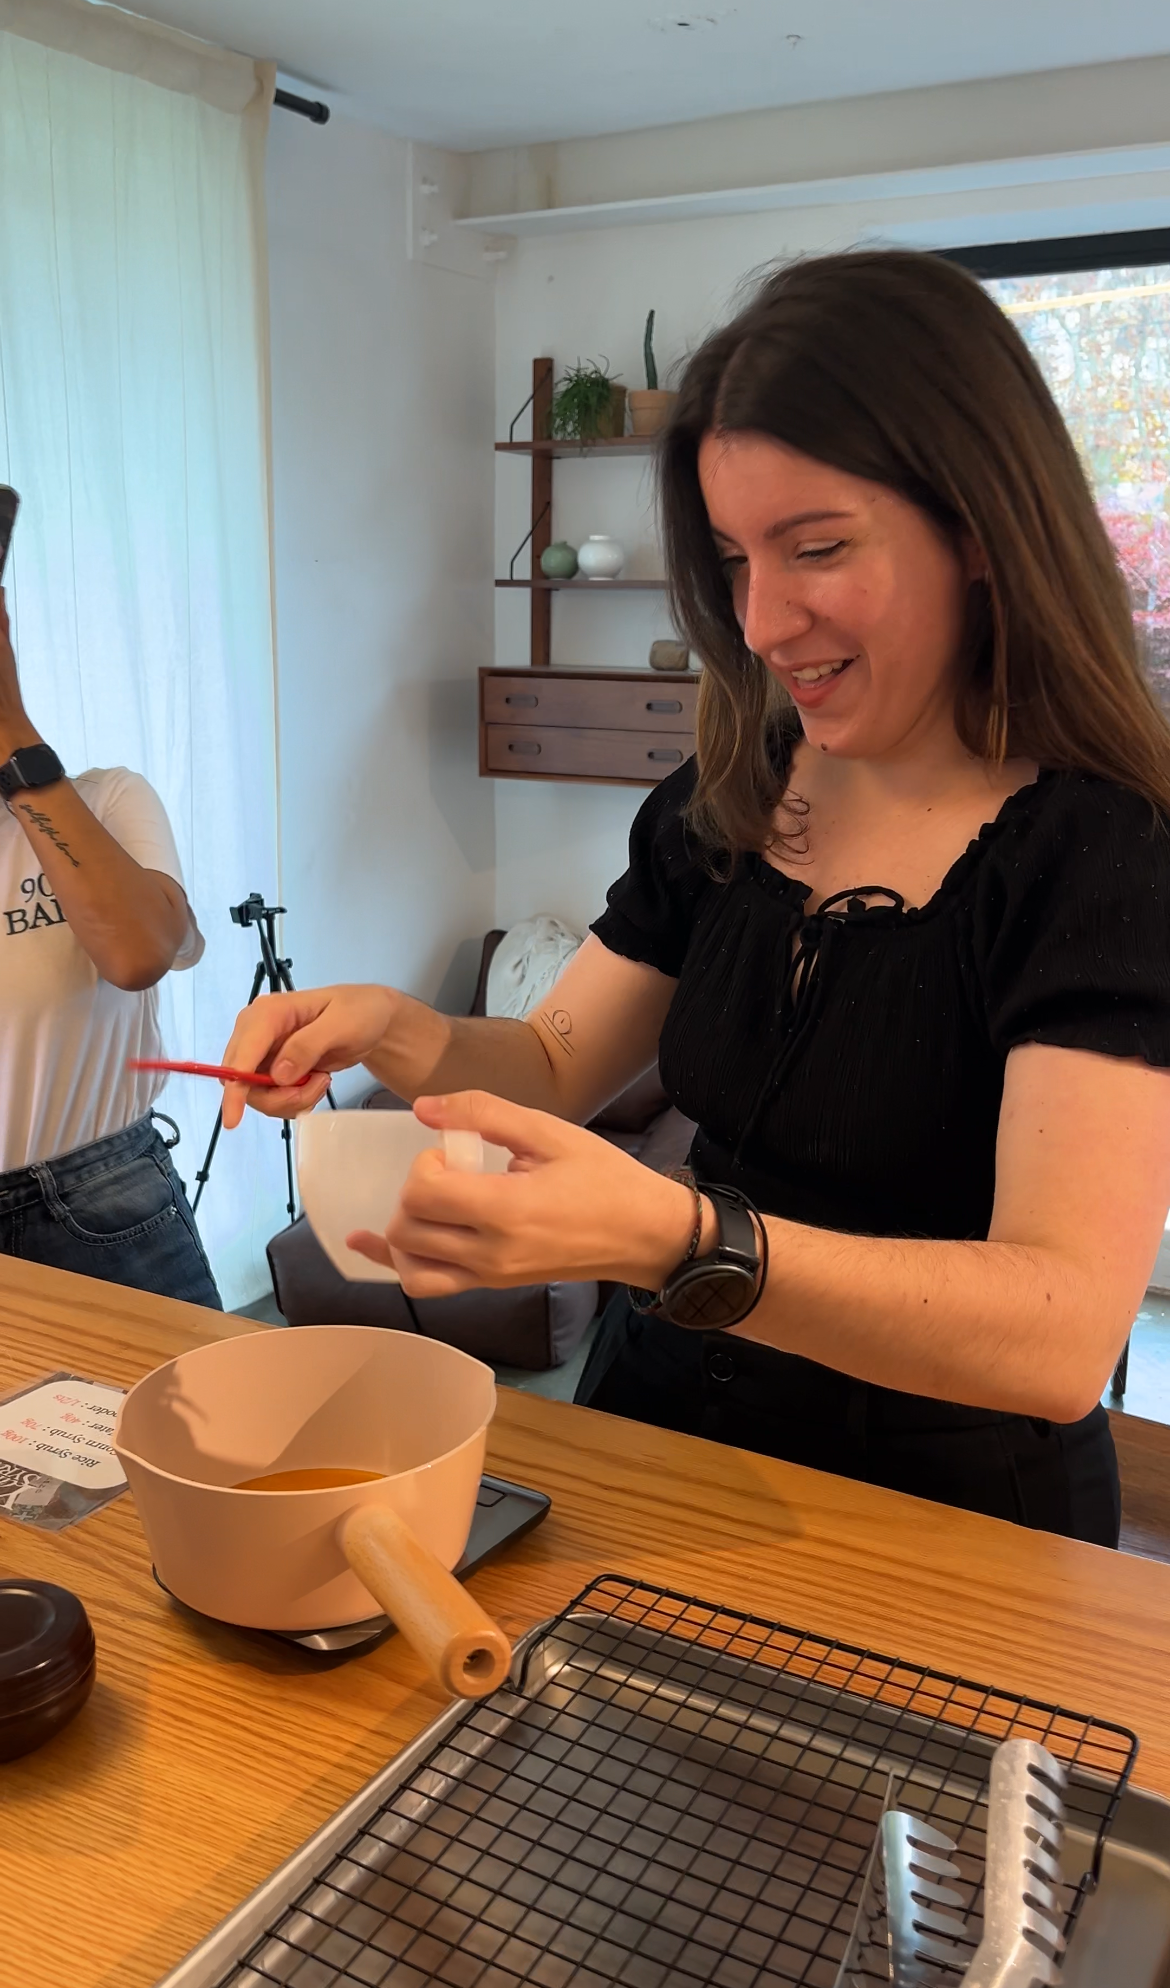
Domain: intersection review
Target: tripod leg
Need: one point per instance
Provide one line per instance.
(286, 1135)
(205, 1169)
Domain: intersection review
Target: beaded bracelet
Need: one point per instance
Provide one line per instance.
(686, 1178)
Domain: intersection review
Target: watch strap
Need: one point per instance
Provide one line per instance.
(710, 1293)
(30, 766)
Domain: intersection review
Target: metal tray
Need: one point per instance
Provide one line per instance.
(668, 1792)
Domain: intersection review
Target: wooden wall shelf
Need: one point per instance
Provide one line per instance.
(586, 586)
(620, 728)
(542, 455)
(617, 728)
(613, 445)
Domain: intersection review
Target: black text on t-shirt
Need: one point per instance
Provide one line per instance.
(40, 908)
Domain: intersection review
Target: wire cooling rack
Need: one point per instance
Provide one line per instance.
(672, 1792)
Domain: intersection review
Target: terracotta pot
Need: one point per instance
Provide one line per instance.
(650, 411)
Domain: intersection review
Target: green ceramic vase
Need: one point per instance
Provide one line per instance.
(558, 561)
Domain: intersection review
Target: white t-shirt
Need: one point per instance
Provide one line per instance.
(65, 1033)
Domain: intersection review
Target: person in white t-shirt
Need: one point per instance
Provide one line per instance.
(92, 915)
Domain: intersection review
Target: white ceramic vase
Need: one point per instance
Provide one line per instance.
(601, 558)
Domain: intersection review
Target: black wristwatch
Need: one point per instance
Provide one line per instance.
(709, 1293)
(30, 766)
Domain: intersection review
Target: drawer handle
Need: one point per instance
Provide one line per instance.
(529, 746)
(673, 757)
(528, 700)
(664, 704)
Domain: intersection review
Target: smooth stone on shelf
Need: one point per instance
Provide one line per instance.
(601, 558)
(558, 561)
(669, 656)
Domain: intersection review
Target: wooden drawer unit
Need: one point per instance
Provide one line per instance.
(573, 752)
(627, 726)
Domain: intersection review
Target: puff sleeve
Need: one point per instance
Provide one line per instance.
(651, 909)
(1072, 924)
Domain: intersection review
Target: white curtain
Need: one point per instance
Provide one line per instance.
(134, 424)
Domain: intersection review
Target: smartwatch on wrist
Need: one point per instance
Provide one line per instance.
(30, 766)
(709, 1293)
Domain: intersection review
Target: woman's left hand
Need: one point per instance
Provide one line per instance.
(571, 1207)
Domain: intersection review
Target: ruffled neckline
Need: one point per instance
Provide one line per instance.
(789, 889)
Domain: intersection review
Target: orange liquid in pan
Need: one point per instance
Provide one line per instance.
(308, 1480)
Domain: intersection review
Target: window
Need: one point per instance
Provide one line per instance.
(1095, 311)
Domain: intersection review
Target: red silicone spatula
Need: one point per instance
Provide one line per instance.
(255, 1077)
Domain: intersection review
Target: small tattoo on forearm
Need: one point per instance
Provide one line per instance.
(560, 1027)
(43, 824)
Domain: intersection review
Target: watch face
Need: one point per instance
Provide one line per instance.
(707, 1297)
(31, 766)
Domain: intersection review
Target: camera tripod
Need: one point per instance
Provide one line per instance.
(277, 973)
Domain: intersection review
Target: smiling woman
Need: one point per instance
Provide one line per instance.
(898, 937)
(898, 372)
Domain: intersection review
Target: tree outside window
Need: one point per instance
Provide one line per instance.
(1102, 340)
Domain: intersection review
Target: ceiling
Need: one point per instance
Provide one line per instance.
(470, 74)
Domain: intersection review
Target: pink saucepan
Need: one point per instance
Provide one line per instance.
(321, 1398)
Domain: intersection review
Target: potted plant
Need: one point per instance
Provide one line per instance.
(650, 409)
(588, 405)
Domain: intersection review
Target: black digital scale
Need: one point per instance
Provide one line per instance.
(504, 1512)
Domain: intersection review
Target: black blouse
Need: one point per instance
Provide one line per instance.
(845, 1068)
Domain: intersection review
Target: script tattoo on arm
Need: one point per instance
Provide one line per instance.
(44, 826)
(559, 1028)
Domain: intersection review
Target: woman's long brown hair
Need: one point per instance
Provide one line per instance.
(898, 367)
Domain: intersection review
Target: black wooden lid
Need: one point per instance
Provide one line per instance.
(46, 1646)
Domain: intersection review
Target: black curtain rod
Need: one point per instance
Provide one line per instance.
(317, 113)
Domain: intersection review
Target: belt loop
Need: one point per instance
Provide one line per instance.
(42, 1173)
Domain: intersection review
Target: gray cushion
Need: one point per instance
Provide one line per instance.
(534, 1326)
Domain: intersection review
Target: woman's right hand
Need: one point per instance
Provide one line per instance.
(288, 1035)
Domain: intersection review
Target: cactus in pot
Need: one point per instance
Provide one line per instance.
(648, 356)
(650, 408)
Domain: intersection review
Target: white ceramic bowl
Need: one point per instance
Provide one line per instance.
(351, 1169)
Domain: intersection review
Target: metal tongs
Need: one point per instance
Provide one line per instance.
(1022, 1938)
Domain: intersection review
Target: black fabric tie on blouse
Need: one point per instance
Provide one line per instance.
(798, 1003)
(845, 1069)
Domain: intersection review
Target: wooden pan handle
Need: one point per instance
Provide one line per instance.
(466, 1651)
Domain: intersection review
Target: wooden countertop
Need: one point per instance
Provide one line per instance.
(205, 1756)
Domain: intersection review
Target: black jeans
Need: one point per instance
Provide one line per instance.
(1057, 1477)
(116, 1210)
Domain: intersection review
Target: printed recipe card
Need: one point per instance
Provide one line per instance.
(57, 1463)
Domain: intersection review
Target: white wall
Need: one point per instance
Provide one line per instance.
(383, 420)
(586, 294)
